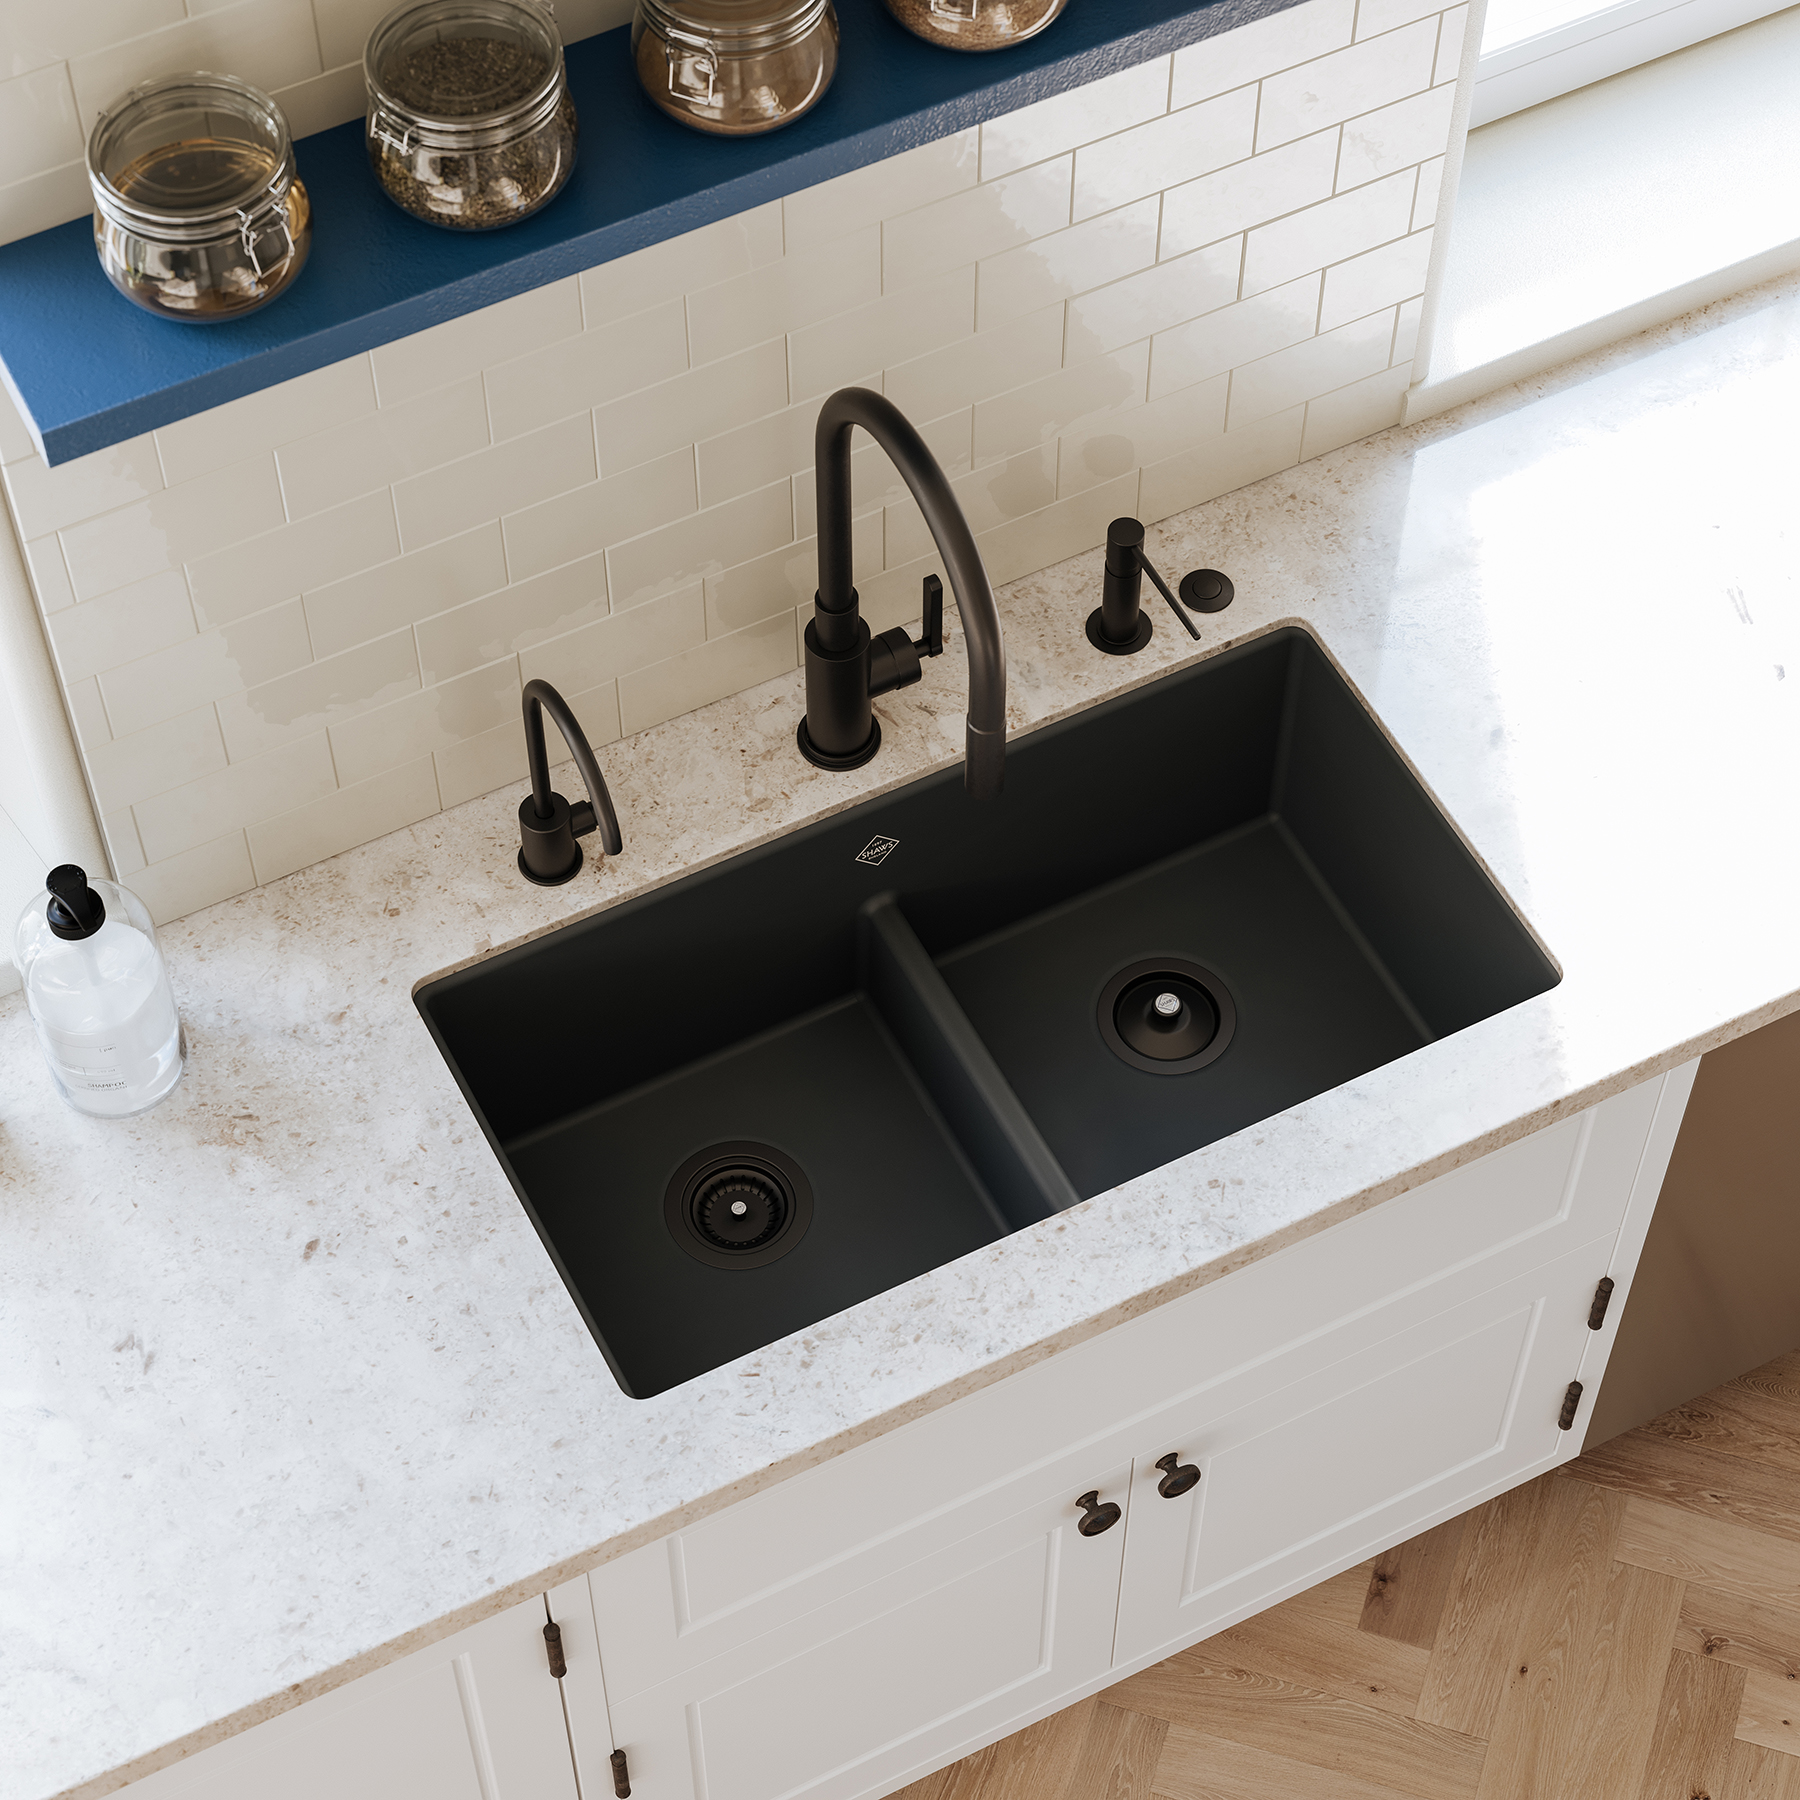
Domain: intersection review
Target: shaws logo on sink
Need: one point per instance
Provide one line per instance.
(876, 850)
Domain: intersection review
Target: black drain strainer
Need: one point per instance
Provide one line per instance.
(738, 1205)
(1167, 1016)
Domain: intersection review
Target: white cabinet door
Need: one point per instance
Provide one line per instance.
(478, 1716)
(893, 1677)
(1420, 1412)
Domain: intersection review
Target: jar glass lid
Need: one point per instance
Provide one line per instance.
(739, 26)
(464, 63)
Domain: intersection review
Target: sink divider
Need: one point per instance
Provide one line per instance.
(1008, 1152)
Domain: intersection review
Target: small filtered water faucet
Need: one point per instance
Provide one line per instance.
(845, 667)
(548, 824)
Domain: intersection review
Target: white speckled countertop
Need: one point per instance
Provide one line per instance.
(287, 1385)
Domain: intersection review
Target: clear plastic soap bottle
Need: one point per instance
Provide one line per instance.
(99, 994)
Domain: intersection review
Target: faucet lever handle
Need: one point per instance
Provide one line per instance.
(932, 642)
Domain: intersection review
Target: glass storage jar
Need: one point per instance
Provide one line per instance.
(735, 66)
(975, 24)
(198, 213)
(470, 123)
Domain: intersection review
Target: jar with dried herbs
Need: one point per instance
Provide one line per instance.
(198, 212)
(734, 67)
(975, 24)
(470, 124)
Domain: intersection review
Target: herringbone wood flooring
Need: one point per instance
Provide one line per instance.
(1625, 1629)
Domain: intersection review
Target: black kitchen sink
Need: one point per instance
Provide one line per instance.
(773, 1089)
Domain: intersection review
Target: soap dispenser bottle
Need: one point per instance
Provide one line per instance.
(99, 994)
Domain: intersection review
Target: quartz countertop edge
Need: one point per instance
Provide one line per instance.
(296, 1319)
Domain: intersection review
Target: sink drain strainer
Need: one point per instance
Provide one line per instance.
(1167, 1016)
(738, 1205)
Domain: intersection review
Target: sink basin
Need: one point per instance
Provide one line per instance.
(775, 1088)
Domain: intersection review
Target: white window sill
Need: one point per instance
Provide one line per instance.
(1618, 207)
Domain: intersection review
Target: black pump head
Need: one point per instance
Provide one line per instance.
(75, 910)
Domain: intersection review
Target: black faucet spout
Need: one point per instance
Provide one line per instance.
(845, 668)
(548, 824)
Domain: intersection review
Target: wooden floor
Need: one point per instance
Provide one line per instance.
(1625, 1629)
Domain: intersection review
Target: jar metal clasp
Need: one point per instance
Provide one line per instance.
(964, 10)
(252, 233)
(688, 59)
(381, 128)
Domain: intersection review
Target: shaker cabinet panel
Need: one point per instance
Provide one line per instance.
(1444, 1408)
(895, 1676)
(477, 1716)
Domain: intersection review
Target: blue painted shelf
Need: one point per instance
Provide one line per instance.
(89, 369)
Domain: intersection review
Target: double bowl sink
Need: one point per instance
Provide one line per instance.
(775, 1088)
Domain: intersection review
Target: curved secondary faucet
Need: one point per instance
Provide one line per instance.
(845, 667)
(548, 824)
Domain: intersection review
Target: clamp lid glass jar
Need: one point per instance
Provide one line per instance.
(198, 213)
(735, 66)
(975, 24)
(470, 123)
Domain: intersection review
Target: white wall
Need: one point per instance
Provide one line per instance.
(299, 621)
(63, 61)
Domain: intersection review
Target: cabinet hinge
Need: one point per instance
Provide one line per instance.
(1571, 1400)
(554, 1650)
(621, 1775)
(1602, 1299)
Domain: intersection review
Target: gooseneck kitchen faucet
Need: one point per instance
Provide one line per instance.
(548, 824)
(845, 666)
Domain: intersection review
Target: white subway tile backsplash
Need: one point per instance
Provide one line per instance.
(497, 334)
(708, 672)
(432, 718)
(133, 621)
(322, 694)
(331, 466)
(818, 216)
(1357, 411)
(515, 618)
(1065, 121)
(208, 667)
(322, 101)
(39, 35)
(1329, 232)
(180, 524)
(316, 629)
(706, 544)
(766, 302)
(15, 440)
(1219, 464)
(894, 329)
(1425, 202)
(1053, 267)
(1170, 294)
(1373, 17)
(1294, 35)
(1221, 341)
(332, 396)
(393, 594)
(43, 502)
(504, 478)
(588, 518)
(1450, 44)
(1321, 364)
(1406, 334)
(1116, 443)
(196, 878)
(718, 397)
(184, 818)
(124, 850)
(1248, 193)
(677, 266)
(1072, 397)
(988, 363)
(395, 799)
(125, 770)
(1394, 137)
(608, 648)
(37, 202)
(39, 126)
(256, 572)
(1378, 278)
(268, 44)
(1347, 83)
(590, 369)
(982, 221)
(1174, 148)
